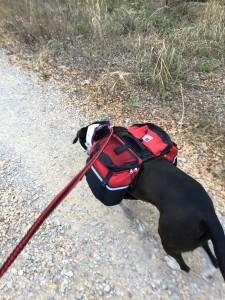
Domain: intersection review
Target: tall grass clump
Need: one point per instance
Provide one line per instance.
(204, 39)
(52, 19)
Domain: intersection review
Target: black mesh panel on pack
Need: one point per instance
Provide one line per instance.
(114, 157)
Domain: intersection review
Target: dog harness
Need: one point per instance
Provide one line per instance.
(115, 172)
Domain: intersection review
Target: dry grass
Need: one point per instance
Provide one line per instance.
(136, 53)
(53, 19)
(162, 44)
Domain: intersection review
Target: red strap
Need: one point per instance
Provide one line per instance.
(50, 208)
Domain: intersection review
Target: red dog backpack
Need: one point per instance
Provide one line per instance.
(113, 173)
(156, 140)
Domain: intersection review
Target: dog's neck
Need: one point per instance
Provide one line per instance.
(102, 133)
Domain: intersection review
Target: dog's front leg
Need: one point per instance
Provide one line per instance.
(127, 211)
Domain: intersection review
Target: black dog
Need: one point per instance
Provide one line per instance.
(187, 216)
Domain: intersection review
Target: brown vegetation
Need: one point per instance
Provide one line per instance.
(137, 53)
(160, 45)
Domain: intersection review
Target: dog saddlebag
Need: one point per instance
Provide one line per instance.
(156, 140)
(113, 172)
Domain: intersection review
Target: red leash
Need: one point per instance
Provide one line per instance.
(49, 209)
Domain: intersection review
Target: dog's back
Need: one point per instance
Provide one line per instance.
(187, 216)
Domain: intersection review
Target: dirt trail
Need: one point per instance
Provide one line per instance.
(84, 250)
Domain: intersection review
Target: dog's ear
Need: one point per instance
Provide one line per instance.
(80, 134)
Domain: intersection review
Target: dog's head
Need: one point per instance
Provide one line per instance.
(88, 134)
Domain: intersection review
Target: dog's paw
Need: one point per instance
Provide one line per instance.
(208, 273)
(185, 268)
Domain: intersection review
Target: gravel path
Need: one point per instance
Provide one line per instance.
(84, 250)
